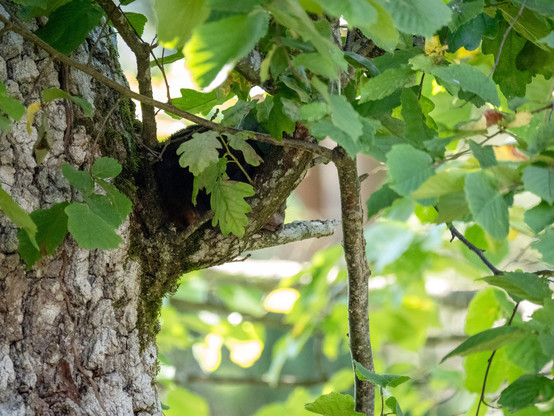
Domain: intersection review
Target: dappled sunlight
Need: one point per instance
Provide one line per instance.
(281, 300)
(245, 353)
(208, 353)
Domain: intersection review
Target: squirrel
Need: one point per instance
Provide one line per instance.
(175, 183)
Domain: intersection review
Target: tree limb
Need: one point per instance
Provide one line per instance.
(358, 275)
(141, 51)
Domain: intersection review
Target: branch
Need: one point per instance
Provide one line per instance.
(294, 231)
(358, 275)
(505, 36)
(141, 51)
(476, 250)
(126, 92)
(284, 381)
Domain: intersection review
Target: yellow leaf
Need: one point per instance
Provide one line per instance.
(31, 111)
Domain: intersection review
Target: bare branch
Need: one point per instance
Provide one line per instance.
(141, 51)
(358, 275)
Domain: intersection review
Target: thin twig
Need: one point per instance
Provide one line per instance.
(505, 36)
(476, 250)
(421, 86)
(482, 397)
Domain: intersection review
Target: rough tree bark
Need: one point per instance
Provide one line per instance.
(78, 330)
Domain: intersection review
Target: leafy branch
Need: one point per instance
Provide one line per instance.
(126, 92)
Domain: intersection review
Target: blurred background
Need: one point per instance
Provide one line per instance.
(268, 334)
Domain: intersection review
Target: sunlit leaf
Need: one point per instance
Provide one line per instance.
(488, 340)
(218, 43)
(526, 391)
(229, 206)
(486, 204)
(333, 404)
(520, 286)
(408, 168)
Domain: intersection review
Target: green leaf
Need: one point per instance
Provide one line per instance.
(12, 107)
(460, 76)
(69, 25)
(50, 94)
(408, 168)
(136, 21)
(18, 216)
(200, 151)
(452, 207)
(549, 40)
(248, 300)
(382, 198)
(416, 130)
(512, 80)
(314, 111)
(520, 286)
(545, 246)
(216, 44)
(358, 13)
(483, 311)
(278, 120)
(106, 167)
(238, 142)
(540, 181)
(120, 203)
(528, 354)
(177, 19)
(386, 83)
(537, 218)
(463, 11)
(89, 230)
(79, 179)
(545, 7)
(381, 380)
(209, 178)
(345, 117)
(168, 59)
(393, 405)
(315, 63)
(418, 17)
(442, 183)
(51, 230)
(386, 242)
(542, 139)
(197, 102)
(528, 24)
(526, 391)
(484, 154)
(383, 32)
(184, 402)
(324, 128)
(488, 207)
(230, 208)
(333, 404)
(488, 340)
(470, 34)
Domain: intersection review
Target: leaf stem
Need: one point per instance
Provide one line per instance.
(505, 37)
(230, 154)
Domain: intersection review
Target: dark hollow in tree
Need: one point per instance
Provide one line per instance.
(175, 183)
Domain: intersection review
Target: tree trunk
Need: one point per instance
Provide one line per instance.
(70, 341)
